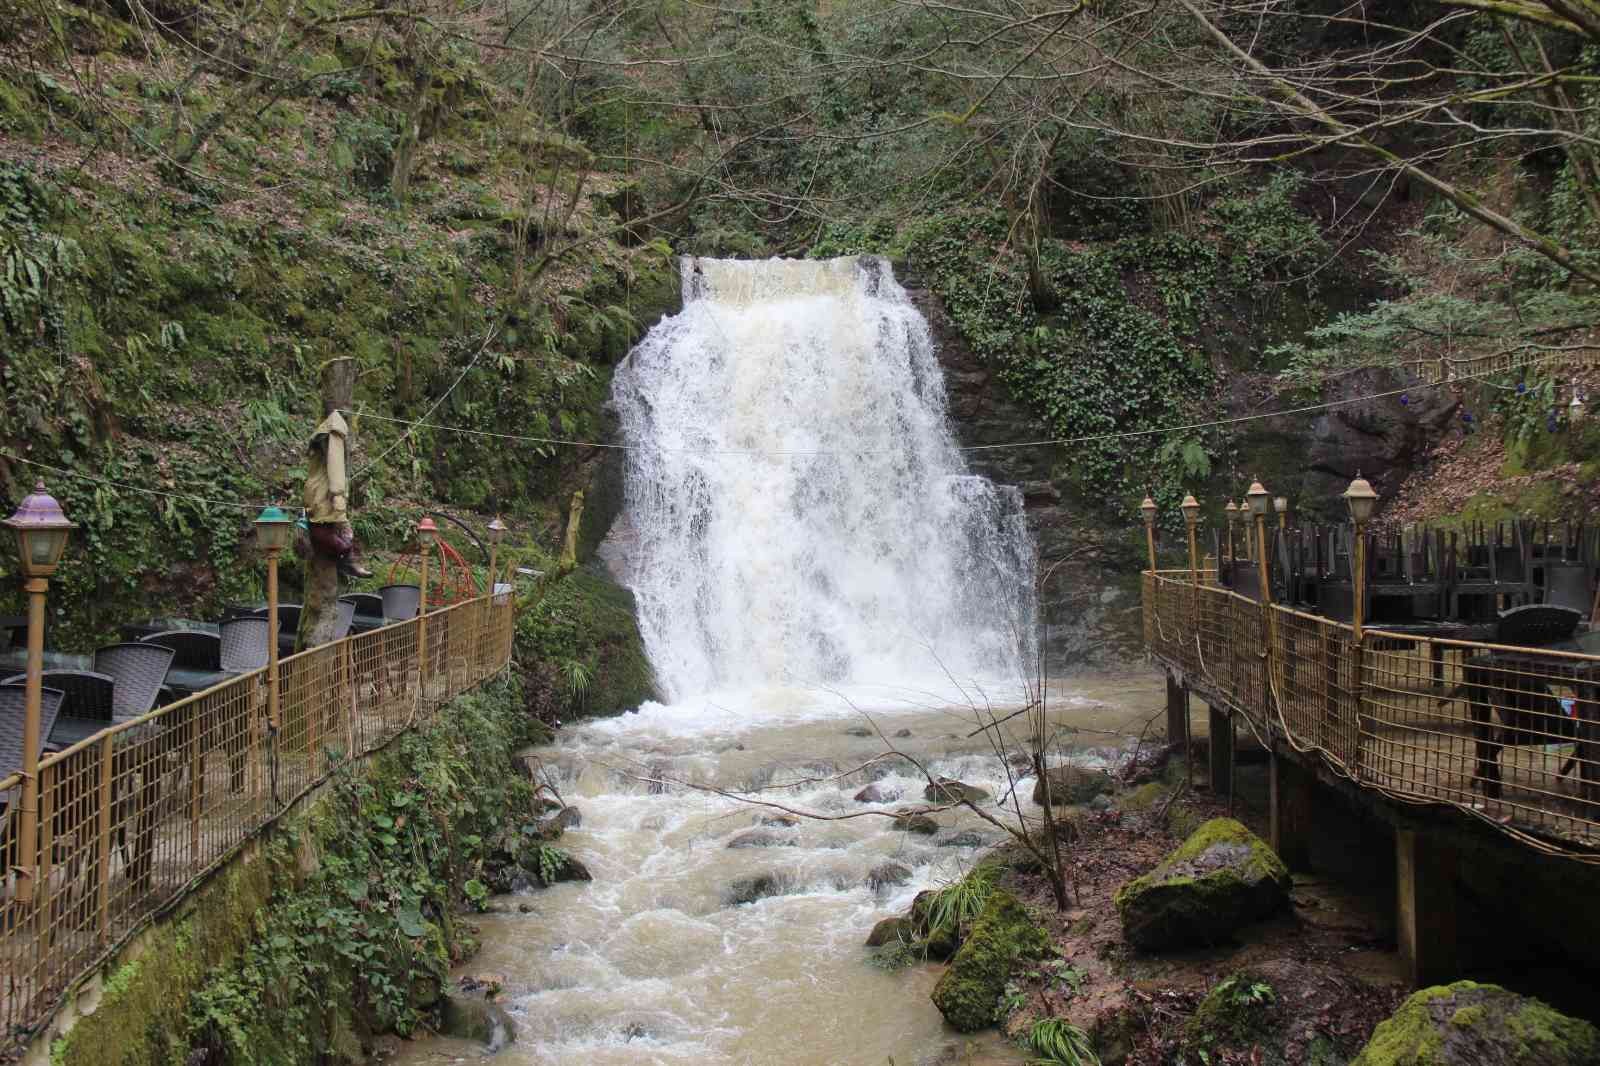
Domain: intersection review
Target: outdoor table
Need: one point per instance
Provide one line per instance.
(136, 631)
(16, 660)
(1431, 631)
(186, 682)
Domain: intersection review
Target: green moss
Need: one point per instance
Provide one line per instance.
(1470, 1024)
(1004, 935)
(1144, 797)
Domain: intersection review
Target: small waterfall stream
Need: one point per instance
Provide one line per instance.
(816, 571)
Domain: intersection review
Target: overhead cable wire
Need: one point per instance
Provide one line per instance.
(1049, 442)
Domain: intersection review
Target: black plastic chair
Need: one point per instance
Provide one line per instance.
(347, 617)
(1536, 624)
(139, 669)
(1569, 585)
(400, 601)
(195, 650)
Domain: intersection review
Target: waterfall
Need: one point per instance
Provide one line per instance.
(802, 513)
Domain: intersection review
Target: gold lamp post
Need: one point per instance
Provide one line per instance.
(1361, 501)
(1260, 501)
(1280, 504)
(1191, 516)
(1231, 512)
(427, 534)
(274, 531)
(1148, 509)
(41, 530)
(497, 533)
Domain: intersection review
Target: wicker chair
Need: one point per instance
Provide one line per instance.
(13, 708)
(85, 708)
(139, 670)
(244, 644)
(195, 650)
(400, 601)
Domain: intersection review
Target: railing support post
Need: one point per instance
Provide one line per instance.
(1221, 752)
(1177, 712)
(103, 880)
(1290, 786)
(1425, 907)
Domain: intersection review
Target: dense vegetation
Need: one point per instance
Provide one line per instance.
(1143, 218)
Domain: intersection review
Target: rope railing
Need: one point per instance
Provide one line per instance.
(132, 818)
(1509, 735)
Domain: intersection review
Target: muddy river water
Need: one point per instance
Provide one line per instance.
(653, 963)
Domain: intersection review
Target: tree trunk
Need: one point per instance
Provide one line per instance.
(319, 611)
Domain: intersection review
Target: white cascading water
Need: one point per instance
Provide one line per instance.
(802, 513)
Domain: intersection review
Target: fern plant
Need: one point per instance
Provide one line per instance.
(957, 905)
(1058, 1042)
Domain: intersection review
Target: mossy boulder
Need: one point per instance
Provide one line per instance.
(1004, 935)
(1468, 1024)
(1070, 785)
(1221, 878)
(895, 930)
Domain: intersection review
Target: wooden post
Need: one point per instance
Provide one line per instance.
(1221, 752)
(1177, 712)
(1425, 908)
(1290, 787)
(319, 614)
(104, 850)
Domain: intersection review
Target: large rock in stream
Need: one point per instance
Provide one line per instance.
(1003, 936)
(1468, 1024)
(1069, 785)
(476, 1018)
(1221, 878)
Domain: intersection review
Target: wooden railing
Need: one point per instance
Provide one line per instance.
(1507, 734)
(131, 818)
(1447, 368)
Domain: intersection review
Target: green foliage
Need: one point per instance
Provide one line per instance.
(371, 930)
(1127, 337)
(948, 915)
(550, 861)
(1058, 1042)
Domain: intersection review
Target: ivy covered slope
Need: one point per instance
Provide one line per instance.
(1116, 325)
(345, 924)
(181, 247)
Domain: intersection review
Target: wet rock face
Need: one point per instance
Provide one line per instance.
(1468, 1024)
(1384, 438)
(1221, 878)
(475, 1018)
(1090, 608)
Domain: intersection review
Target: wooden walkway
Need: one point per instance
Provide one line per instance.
(1507, 736)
